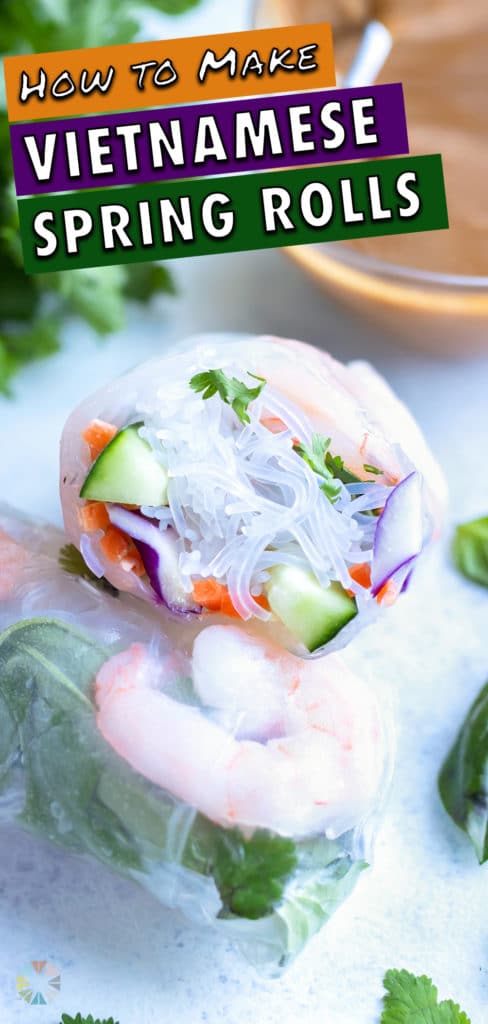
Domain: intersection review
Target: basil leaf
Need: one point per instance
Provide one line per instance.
(463, 781)
(47, 670)
(470, 550)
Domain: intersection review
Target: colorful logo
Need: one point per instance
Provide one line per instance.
(39, 983)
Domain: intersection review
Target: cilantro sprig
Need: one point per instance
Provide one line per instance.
(316, 456)
(414, 1000)
(330, 468)
(232, 391)
(251, 873)
(66, 1019)
(409, 999)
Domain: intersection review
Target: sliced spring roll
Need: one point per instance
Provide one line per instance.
(233, 780)
(253, 478)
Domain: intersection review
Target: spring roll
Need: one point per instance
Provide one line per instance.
(256, 479)
(233, 780)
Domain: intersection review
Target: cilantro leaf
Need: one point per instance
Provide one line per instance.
(372, 469)
(316, 457)
(413, 1000)
(66, 1019)
(463, 780)
(232, 391)
(250, 874)
(470, 550)
(336, 466)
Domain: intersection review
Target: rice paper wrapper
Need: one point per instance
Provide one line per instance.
(266, 495)
(237, 783)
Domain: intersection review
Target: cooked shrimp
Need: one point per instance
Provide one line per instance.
(305, 753)
(12, 560)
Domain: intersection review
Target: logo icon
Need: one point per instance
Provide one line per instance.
(38, 983)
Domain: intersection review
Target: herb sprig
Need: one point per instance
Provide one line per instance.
(316, 456)
(232, 391)
(414, 1000)
(66, 1019)
(250, 874)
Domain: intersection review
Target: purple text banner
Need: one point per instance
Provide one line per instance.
(209, 138)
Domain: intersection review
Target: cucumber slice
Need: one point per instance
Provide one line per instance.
(314, 614)
(127, 472)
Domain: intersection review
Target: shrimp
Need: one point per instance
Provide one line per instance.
(292, 746)
(13, 558)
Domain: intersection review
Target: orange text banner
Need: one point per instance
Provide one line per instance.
(139, 75)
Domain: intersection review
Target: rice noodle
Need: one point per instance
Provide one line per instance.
(242, 499)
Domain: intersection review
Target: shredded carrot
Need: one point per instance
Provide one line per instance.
(206, 592)
(93, 516)
(214, 597)
(119, 548)
(361, 573)
(388, 594)
(97, 435)
(226, 606)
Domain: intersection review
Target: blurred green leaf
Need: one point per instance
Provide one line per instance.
(463, 781)
(470, 550)
(98, 295)
(147, 279)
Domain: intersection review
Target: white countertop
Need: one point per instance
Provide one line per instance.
(423, 905)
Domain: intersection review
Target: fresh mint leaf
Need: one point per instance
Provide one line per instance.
(413, 1000)
(232, 391)
(463, 780)
(470, 550)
